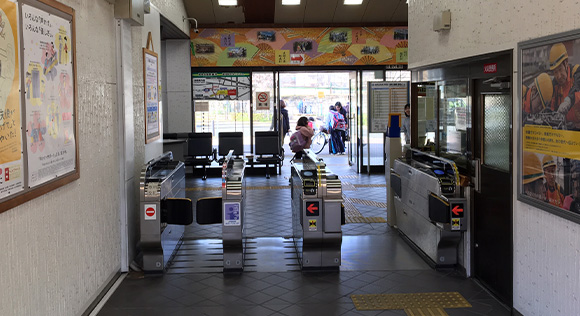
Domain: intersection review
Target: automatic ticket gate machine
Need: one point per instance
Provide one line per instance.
(229, 211)
(429, 208)
(163, 211)
(317, 213)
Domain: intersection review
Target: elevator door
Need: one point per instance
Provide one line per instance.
(493, 198)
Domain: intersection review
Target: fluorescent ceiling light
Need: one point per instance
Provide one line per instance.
(228, 2)
(290, 2)
(352, 2)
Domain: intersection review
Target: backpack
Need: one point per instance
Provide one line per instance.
(297, 142)
(338, 121)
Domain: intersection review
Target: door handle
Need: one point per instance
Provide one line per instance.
(477, 174)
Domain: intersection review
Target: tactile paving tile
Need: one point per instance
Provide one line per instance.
(277, 187)
(349, 176)
(362, 219)
(409, 300)
(349, 209)
(347, 186)
(425, 312)
(370, 185)
(368, 203)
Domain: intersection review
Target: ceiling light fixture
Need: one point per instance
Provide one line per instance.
(290, 2)
(352, 2)
(226, 3)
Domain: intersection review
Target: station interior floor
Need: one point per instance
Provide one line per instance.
(375, 260)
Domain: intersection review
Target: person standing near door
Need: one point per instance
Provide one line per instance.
(406, 124)
(285, 120)
(342, 111)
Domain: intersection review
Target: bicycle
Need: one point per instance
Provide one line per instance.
(319, 141)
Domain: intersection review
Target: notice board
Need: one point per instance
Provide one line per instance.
(38, 124)
(384, 98)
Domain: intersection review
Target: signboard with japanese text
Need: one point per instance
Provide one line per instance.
(549, 134)
(38, 143)
(221, 85)
(49, 80)
(385, 98)
(151, 97)
(11, 157)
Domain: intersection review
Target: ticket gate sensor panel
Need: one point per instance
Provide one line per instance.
(163, 211)
(317, 213)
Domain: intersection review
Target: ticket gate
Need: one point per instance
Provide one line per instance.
(317, 213)
(430, 211)
(229, 211)
(163, 211)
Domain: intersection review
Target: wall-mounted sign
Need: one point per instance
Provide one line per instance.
(262, 100)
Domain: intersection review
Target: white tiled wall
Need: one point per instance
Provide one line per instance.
(546, 255)
(60, 249)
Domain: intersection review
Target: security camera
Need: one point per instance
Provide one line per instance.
(196, 30)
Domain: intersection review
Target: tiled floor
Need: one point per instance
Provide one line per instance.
(374, 260)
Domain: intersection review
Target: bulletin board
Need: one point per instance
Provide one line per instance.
(385, 97)
(38, 121)
(151, 81)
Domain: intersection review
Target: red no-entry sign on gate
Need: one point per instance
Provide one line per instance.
(150, 212)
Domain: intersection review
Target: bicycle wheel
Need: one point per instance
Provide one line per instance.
(319, 140)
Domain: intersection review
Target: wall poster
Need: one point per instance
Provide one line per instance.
(151, 81)
(11, 157)
(38, 146)
(549, 137)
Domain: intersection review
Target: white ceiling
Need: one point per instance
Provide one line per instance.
(322, 12)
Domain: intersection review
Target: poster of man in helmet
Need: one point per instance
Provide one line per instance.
(550, 123)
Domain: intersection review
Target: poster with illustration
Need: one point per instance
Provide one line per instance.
(11, 159)
(550, 124)
(49, 95)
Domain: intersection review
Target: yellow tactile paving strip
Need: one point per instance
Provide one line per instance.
(425, 312)
(409, 301)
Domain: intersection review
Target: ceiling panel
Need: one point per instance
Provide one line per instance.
(381, 11)
(401, 15)
(320, 12)
(289, 14)
(349, 13)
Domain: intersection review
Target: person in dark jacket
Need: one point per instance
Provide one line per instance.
(285, 120)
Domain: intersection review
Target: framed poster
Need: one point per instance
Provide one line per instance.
(38, 121)
(151, 82)
(549, 133)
